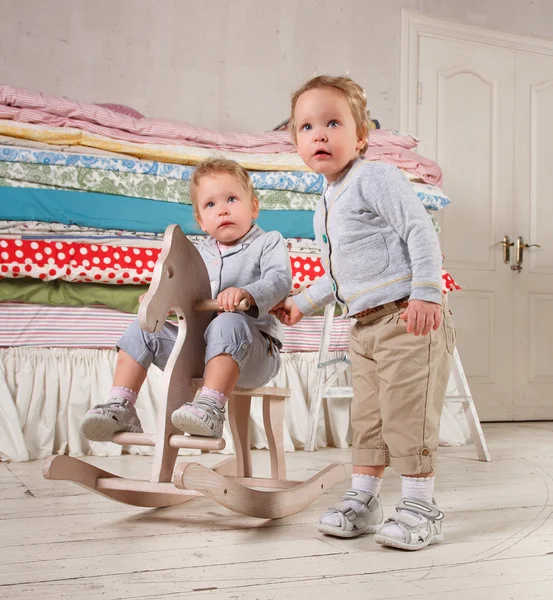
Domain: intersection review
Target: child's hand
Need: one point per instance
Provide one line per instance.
(230, 298)
(422, 316)
(287, 312)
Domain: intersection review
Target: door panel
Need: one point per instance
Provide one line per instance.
(465, 125)
(533, 291)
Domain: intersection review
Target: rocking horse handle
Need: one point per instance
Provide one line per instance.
(213, 305)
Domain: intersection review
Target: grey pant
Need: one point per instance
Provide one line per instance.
(229, 333)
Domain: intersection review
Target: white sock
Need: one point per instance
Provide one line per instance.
(364, 483)
(119, 392)
(221, 398)
(415, 488)
(418, 488)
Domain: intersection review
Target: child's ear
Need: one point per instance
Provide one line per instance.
(255, 208)
(361, 141)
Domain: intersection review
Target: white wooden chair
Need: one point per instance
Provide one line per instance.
(181, 283)
(326, 389)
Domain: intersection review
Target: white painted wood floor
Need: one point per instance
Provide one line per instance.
(59, 541)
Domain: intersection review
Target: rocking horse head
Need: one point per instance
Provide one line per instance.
(180, 279)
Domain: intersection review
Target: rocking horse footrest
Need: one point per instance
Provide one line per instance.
(175, 441)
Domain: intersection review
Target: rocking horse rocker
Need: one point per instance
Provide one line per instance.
(181, 284)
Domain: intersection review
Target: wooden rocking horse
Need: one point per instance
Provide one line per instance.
(181, 284)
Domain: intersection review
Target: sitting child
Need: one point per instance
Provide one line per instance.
(243, 262)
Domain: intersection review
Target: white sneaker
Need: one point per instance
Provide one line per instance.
(347, 521)
(104, 420)
(204, 416)
(415, 525)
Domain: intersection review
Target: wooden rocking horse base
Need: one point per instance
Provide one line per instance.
(192, 480)
(129, 491)
(230, 483)
(236, 493)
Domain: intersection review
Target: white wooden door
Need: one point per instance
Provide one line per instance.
(465, 125)
(533, 193)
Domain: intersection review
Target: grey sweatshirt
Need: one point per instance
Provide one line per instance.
(258, 263)
(377, 243)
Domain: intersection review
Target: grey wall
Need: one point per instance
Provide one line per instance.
(226, 64)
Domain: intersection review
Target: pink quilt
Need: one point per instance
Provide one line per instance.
(29, 106)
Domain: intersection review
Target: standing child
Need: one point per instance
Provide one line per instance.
(243, 262)
(383, 266)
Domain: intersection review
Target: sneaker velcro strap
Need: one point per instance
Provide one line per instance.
(357, 495)
(348, 512)
(407, 518)
(208, 404)
(421, 508)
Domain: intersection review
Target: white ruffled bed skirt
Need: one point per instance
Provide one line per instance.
(44, 393)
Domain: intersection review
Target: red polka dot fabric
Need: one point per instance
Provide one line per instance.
(306, 269)
(74, 261)
(118, 265)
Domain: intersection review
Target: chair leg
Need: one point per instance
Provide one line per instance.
(273, 419)
(469, 408)
(239, 421)
(476, 430)
(315, 408)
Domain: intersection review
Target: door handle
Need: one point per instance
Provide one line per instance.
(519, 252)
(506, 243)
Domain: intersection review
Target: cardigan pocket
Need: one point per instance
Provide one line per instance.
(363, 259)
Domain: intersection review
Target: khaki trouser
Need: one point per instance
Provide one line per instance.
(399, 384)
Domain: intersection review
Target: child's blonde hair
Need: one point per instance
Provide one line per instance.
(214, 166)
(354, 94)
